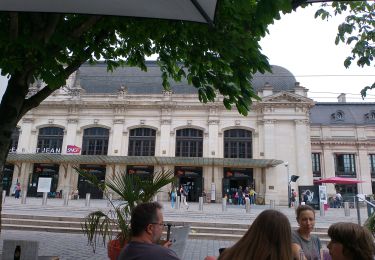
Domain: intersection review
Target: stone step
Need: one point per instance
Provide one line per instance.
(199, 230)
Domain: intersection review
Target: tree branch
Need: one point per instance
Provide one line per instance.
(35, 100)
(13, 25)
(88, 24)
(51, 27)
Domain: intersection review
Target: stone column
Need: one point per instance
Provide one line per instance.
(271, 176)
(24, 138)
(215, 173)
(363, 170)
(165, 138)
(328, 166)
(303, 152)
(116, 139)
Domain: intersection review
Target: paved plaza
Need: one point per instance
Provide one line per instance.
(74, 246)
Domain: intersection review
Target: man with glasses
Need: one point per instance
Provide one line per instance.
(147, 227)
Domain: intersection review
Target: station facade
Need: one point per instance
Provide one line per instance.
(124, 123)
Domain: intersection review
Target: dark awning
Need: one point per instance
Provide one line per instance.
(141, 160)
(190, 10)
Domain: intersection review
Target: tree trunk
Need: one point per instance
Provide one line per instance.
(10, 114)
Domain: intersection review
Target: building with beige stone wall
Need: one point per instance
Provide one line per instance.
(124, 123)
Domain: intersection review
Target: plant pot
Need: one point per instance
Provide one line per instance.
(114, 249)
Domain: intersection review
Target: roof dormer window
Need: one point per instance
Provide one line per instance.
(338, 116)
(370, 116)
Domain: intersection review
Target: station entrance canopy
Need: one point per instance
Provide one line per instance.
(141, 160)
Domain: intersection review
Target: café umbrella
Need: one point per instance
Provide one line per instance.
(338, 180)
(202, 11)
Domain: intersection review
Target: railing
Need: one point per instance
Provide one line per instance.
(370, 206)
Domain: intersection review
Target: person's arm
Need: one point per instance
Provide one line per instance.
(296, 248)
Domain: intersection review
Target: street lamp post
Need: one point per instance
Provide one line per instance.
(288, 182)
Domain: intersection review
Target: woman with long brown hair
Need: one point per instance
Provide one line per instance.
(303, 242)
(269, 237)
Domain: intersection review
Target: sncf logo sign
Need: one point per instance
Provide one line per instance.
(73, 149)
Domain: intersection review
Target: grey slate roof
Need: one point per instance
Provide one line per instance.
(354, 113)
(96, 79)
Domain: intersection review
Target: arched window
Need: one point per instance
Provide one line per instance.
(189, 142)
(142, 142)
(95, 141)
(238, 144)
(50, 140)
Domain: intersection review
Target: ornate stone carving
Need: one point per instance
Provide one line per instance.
(96, 121)
(213, 121)
(189, 122)
(237, 122)
(72, 120)
(167, 93)
(301, 122)
(118, 121)
(142, 122)
(123, 91)
(27, 120)
(50, 121)
(165, 121)
(171, 133)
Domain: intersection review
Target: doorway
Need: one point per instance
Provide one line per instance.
(43, 170)
(191, 178)
(144, 172)
(7, 178)
(235, 178)
(84, 186)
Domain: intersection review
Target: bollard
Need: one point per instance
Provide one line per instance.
(346, 209)
(224, 204)
(110, 196)
(23, 197)
(44, 200)
(66, 198)
(247, 205)
(272, 204)
(178, 202)
(87, 203)
(321, 208)
(200, 203)
(296, 204)
(4, 195)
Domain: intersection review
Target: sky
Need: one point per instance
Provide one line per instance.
(306, 47)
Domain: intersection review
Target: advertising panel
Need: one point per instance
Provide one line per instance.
(309, 195)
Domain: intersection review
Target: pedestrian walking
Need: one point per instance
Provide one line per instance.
(184, 193)
(17, 190)
(173, 197)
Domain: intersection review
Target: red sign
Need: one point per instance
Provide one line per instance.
(73, 149)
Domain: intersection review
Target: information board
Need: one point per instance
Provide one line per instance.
(44, 184)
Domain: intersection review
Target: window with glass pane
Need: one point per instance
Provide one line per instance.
(238, 144)
(315, 158)
(95, 141)
(345, 165)
(372, 165)
(142, 142)
(50, 139)
(189, 143)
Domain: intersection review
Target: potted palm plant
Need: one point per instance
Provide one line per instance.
(129, 190)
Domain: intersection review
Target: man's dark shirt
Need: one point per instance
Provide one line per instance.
(145, 251)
